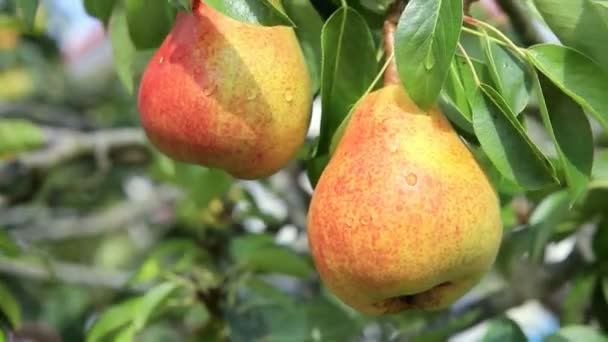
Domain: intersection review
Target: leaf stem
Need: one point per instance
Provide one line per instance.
(479, 34)
(502, 36)
(470, 63)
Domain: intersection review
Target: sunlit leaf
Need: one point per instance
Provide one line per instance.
(113, 319)
(576, 75)
(506, 143)
(425, 43)
(150, 303)
(261, 12)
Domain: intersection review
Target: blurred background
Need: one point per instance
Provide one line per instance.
(93, 219)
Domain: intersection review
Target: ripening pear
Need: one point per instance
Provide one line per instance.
(402, 217)
(227, 94)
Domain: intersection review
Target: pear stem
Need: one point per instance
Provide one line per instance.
(391, 75)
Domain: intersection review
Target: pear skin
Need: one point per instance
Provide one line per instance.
(402, 217)
(227, 94)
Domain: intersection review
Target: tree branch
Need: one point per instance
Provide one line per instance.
(64, 145)
(114, 218)
(68, 273)
(46, 114)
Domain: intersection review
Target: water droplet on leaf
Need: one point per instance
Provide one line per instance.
(429, 61)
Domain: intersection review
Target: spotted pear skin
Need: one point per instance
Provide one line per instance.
(402, 217)
(227, 94)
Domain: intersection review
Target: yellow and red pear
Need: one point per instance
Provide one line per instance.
(402, 217)
(227, 94)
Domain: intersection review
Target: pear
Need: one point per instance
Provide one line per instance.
(402, 217)
(226, 94)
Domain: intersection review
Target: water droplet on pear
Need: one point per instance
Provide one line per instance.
(288, 96)
(411, 179)
(210, 89)
(251, 95)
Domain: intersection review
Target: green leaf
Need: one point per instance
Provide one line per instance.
(112, 319)
(2, 336)
(150, 303)
(349, 67)
(101, 9)
(170, 256)
(201, 184)
(149, 22)
(602, 8)
(7, 246)
(26, 10)
(127, 334)
(17, 135)
(571, 133)
(9, 307)
(455, 91)
(580, 24)
(308, 30)
(261, 254)
(546, 216)
(506, 143)
(508, 75)
(576, 75)
(314, 168)
(123, 50)
(425, 43)
(576, 333)
(578, 300)
(261, 12)
(504, 329)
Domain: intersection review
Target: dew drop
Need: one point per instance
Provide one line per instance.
(251, 95)
(365, 219)
(288, 96)
(429, 61)
(161, 60)
(411, 179)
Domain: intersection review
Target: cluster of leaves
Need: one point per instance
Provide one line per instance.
(486, 85)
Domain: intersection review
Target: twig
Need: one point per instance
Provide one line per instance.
(114, 218)
(64, 145)
(69, 273)
(46, 114)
